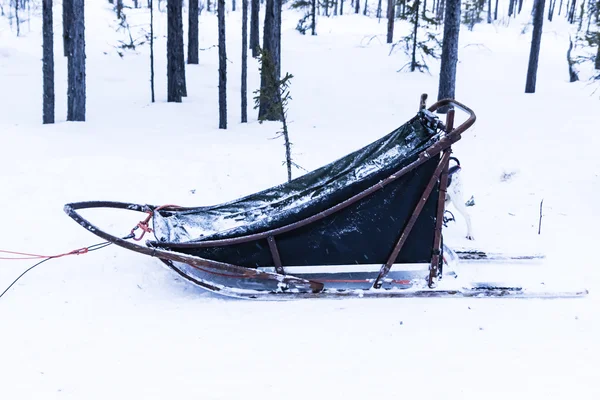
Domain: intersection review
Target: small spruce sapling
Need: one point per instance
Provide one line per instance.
(279, 93)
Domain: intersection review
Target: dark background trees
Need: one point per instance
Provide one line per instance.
(48, 62)
(76, 63)
(175, 59)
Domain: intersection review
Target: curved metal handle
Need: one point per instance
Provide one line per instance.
(465, 125)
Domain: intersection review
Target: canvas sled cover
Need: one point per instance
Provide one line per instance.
(363, 233)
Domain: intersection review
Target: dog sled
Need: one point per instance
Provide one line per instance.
(366, 225)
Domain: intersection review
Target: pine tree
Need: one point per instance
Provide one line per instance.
(222, 66)
(449, 57)
(48, 63)
(422, 42)
(76, 64)
(254, 27)
(271, 49)
(538, 21)
(175, 59)
(193, 32)
(244, 60)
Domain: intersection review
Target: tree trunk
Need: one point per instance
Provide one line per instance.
(597, 63)
(254, 27)
(193, 44)
(76, 64)
(244, 60)
(378, 9)
(551, 6)
(581, 15)
(67, 7)
(151, 5)
(390, 20)
(520, 5)
(449, 57)
(48, 62)
(119, 9)
(572, 11)
(175, 57)
(573, 77)
(365, 7)
(272, 48)
(489, 16)
(356, 6)
(538, 21)
(413, 63)
(313, 17)
(441, 9)
(341, 7)
(560, 7)
(17, 19)
(222, 66)
(496, 11)
(232, 5)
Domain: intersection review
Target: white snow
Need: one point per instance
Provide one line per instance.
(116, 324)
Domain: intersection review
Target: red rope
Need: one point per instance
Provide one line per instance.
(29, 256)
(143, 225)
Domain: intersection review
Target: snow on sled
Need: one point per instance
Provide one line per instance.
(367, 225)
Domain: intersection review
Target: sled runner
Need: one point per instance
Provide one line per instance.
(368, 225)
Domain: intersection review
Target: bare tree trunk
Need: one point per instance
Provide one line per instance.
(254, 27)
(272, 48)
(551, 6)
(119, 9)
(536, 39)
(581, 15)
(378, 15)
(573, 77)
(520, 5)
(441, 9)
(48, 63)
(232, 5)
(67, 6)
(560, 7)
(413, 63)
(390, 20)
(313, 17)
(572, 11)
(449, 59)
(597, 63)
(489, 13)
(244, 60)
(222, 66)
(17, 19)
(193, 44)
(365, 8)
(151, 5)
(356, 6)
(341, 7)
(76, 64)
(496, 11)
(175, 57)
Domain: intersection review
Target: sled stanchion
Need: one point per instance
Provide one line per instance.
(385, 269)
(275, 255)
(423, 102)
(437, 239)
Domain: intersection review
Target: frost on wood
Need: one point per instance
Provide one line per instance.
(267, 209)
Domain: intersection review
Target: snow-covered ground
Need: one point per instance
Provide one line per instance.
(115, 324)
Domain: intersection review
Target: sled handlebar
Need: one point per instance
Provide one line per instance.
(455, 104)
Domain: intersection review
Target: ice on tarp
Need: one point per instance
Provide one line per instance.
(267, 209)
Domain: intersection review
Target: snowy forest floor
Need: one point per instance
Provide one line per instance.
(115, 324)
